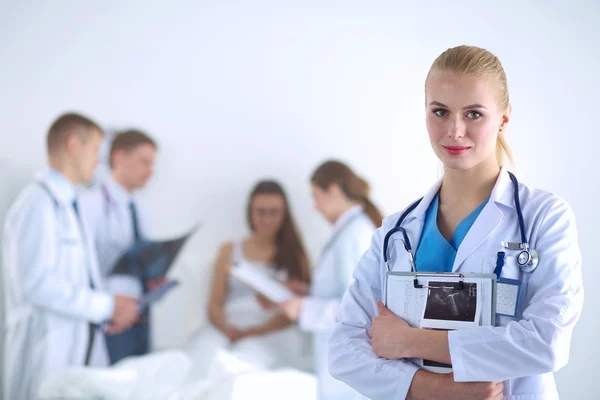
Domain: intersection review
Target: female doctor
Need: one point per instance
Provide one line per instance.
(343, 199)
(461, 225)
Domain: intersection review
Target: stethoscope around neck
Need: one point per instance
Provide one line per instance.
(528, 258)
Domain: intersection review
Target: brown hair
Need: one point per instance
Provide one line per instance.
(473, 60)
(66, 125)
(290, 253)
(353, 186)
(129, 140)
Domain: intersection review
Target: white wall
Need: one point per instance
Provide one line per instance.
(236, 91)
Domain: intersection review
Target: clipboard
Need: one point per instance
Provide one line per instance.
(261, 282)
(441, 301)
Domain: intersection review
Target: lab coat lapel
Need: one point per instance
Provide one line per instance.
(485, 224)
(59, 193)
(345, 221)
(65, 198)
(488, 220)
(415, 221)
(92, 258)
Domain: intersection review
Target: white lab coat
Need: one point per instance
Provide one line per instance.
(525, 351)
(106, 210)
(332, 276)
(49, 303)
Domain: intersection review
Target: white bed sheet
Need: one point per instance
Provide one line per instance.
(207, 368)
(163, 376)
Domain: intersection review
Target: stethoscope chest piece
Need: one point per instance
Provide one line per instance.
(528, 260)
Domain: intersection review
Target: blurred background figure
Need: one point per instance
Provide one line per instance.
(116, 223)
(241, 320)
(53, 293)
(342, 198)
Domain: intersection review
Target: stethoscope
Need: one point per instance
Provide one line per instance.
(527, 260)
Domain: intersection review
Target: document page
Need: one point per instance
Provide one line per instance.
(261, 282)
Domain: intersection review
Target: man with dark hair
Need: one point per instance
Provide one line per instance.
(117, 223)
(56, 308)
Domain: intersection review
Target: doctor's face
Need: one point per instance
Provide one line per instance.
(85, 156)
(463, 118)
(136, 166)
(324, 202)
(267, 213)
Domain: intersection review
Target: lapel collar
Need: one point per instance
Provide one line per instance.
(60, 188)
(419, 212)
(64, 192)
(415, 220)
(114, 193)
(488, 220)
(341, 224)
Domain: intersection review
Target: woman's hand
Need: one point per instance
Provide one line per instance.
(470, 390)
(234, 334)
(264, 302)
(292, 308)
(298, 287)
(252, 331)
(428, 385)
(390, 335)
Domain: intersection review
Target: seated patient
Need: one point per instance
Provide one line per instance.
(243, 322)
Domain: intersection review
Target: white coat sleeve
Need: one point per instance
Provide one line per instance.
(321, 314)
(539, 342)
(43, 285)
(351, 357)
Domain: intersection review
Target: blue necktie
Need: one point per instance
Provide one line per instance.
(134, 222)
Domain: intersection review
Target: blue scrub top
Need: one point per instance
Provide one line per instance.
(435, 253)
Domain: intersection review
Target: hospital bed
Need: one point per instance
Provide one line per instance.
(168, 373)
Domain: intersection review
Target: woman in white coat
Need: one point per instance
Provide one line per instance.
(461, 225)
(343, 199)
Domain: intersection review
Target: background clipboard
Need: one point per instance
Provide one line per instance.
(261, 282)
(441, 301)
